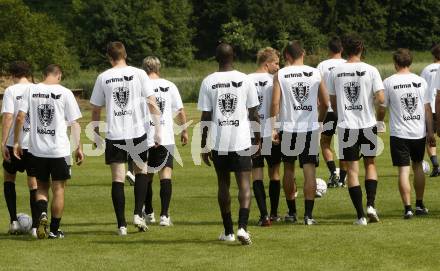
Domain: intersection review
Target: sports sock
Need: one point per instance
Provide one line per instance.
(165, 196)
(291, 205)
(419, 203)
(54, 224)
(243, 217)
(33, 204)
(434, 160)
(308, 204)
(260, 196)
(140, 191)
(356, 198)
(11, 199)
(274, 195)
(149, 198)
(408, 208)
(41, 207)
(331, 166)
(370, 189)
(227, 223)
(342, 175)
(118, 198)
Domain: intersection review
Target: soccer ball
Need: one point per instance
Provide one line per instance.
(321, 187)
(25, 222)
(426, 167)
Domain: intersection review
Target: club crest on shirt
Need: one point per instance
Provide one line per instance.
(409, 102)
(45, 114)
(301, 91)
(352, 90)
(161, 104)
(120, 96)
(227, 104)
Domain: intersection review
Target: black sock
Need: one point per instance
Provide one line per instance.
(291, 205)
(149, 198)
(419, 203)
(140, 191)
(342, 175)
(274, 195)
(41, 208)
(165, 196)
(227, 223)
(11, 199)
(434, 160)
(260, 197)
(243, 217)
(408, 208)
(370, 189)
(356, 198)
(308, 206)
(33, 204)
(331, 166)
(54, 224)
(118, 198)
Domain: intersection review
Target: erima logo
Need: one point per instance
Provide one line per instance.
(161, 89)
(114, 80)
(400, 86)
(360, 73)
(416, 85)
(128, 78)
(291, 75)
(262, 84)
(18, 98)
(331, 68)
(308, 74)
(235, 123)
(40, 95)
(221, 85)
(237, 84)
(56, 97)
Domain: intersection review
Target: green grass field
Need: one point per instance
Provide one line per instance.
(91, 242)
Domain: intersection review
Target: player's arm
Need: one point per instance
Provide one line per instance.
(333, 103)
(275, 106)
(181, 121)
(206, 120)
(155, 116)
(323, 99)
(19, 122)
(96, 118)
(7, 119)
(255, 118)
(75, 129)
(379, 97)
(429, 125)
(437, 107)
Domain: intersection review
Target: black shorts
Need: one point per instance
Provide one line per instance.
(330, 123)
(232, 161)
(20, 165)
(403, 150)
(113, 154)
(52, 168)
(300, 146)
(269, 152)
(357, 143)
(160, 157)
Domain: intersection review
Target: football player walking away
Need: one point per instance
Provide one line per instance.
(355, 87)
(124, 90)
(429, 73)
(297, 91)
(268, 64)
(331, 119)
(228, 100)
(51, 108)
(408, 98)
(21, 74)
(161, 158)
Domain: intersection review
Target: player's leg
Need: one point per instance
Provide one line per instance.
(11, 200)
(32, 185)
(140, 192)
(371, 188)
(309, 160)
(148, 206)
(328, 158)
(417, 155)
(57, 208)
(259, 191)
(342, 173)
(118, 195)
(432, 153)
(405, 190)
(289, 186)
(244, 197)
(130, 176)
(224, 202)
(42, 198)
(165, 176)
(274, 162)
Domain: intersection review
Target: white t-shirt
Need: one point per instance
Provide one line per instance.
(169, 102)
(354, 85)
(264, 84)
(123, 91)
(51, 109)
(228, 95)
(406, 96)
(299, 98)
(325, 67)
(429, 73)
(11, 99)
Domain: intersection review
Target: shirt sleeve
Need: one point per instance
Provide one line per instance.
(428, 93)
(23, 104)
(176, 99)
(330, 84)
(71, 108)
(252, 95)
(98, 95)
(204, 103)
(146, 85)
(377, 81)
(436, 83)
(8, 102)
(386, 93)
